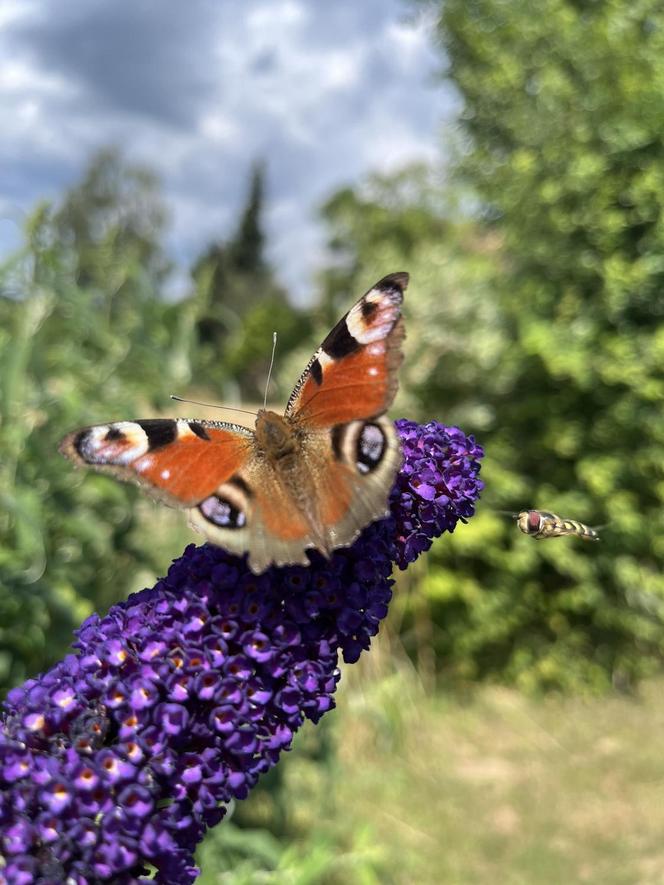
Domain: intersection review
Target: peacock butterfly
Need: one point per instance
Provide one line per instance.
(313, 477)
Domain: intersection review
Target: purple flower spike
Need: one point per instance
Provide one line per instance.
(437, 486)
(121, 756)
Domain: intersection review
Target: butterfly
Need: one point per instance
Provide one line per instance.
(313, 477)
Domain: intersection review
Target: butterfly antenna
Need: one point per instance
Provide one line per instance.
(269, 371)
(508, 513)
(195, 402)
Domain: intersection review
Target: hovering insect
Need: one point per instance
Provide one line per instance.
(541, 524)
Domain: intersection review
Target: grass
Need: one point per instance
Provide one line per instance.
(400, 787)
(512, 790)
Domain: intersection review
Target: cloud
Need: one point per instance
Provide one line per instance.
(126, 56)
(324, 93)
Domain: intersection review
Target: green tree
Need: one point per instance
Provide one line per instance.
(240, 304)
(246, 249)
(231, 274)
(112, 223)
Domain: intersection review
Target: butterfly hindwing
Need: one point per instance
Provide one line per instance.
(251, 512)
(346, 479)
(353, 374)
(353, 482)
(180, 462)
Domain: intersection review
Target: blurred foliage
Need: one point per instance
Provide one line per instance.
(111, 224)
(563, 116)
(535, 319)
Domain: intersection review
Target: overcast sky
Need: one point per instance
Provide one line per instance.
(324, 91)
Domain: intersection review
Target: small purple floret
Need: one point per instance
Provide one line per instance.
(178, 699)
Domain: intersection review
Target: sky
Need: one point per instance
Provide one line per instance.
(323, 92)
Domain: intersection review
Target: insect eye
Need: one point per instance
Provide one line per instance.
(533, 521)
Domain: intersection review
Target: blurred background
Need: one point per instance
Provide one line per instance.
(175, 183)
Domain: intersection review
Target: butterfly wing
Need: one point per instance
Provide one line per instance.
(253, 511)
(353, 374)
(180, 462)
(208, 469)
(354, 466)
(353, 452)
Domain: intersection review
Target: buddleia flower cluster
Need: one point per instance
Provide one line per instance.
(115, 762)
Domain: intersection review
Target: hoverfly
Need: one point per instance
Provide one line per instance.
(541, 524)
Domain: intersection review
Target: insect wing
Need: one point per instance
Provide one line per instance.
(180, 462)
(353, 374)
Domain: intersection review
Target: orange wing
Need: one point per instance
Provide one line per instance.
(353, 374)
(181, 462)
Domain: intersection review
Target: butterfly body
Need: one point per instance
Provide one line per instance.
(313, 477)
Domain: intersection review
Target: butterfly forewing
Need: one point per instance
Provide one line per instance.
(181, 462)
(353, 374)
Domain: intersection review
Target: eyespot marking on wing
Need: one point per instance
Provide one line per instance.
(371, 448)
(361, 444)
(222, 512)
(118, 443)
(368, 308)
(229, 506)
(375, 314)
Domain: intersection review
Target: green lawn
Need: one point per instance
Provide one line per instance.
(400, 787)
